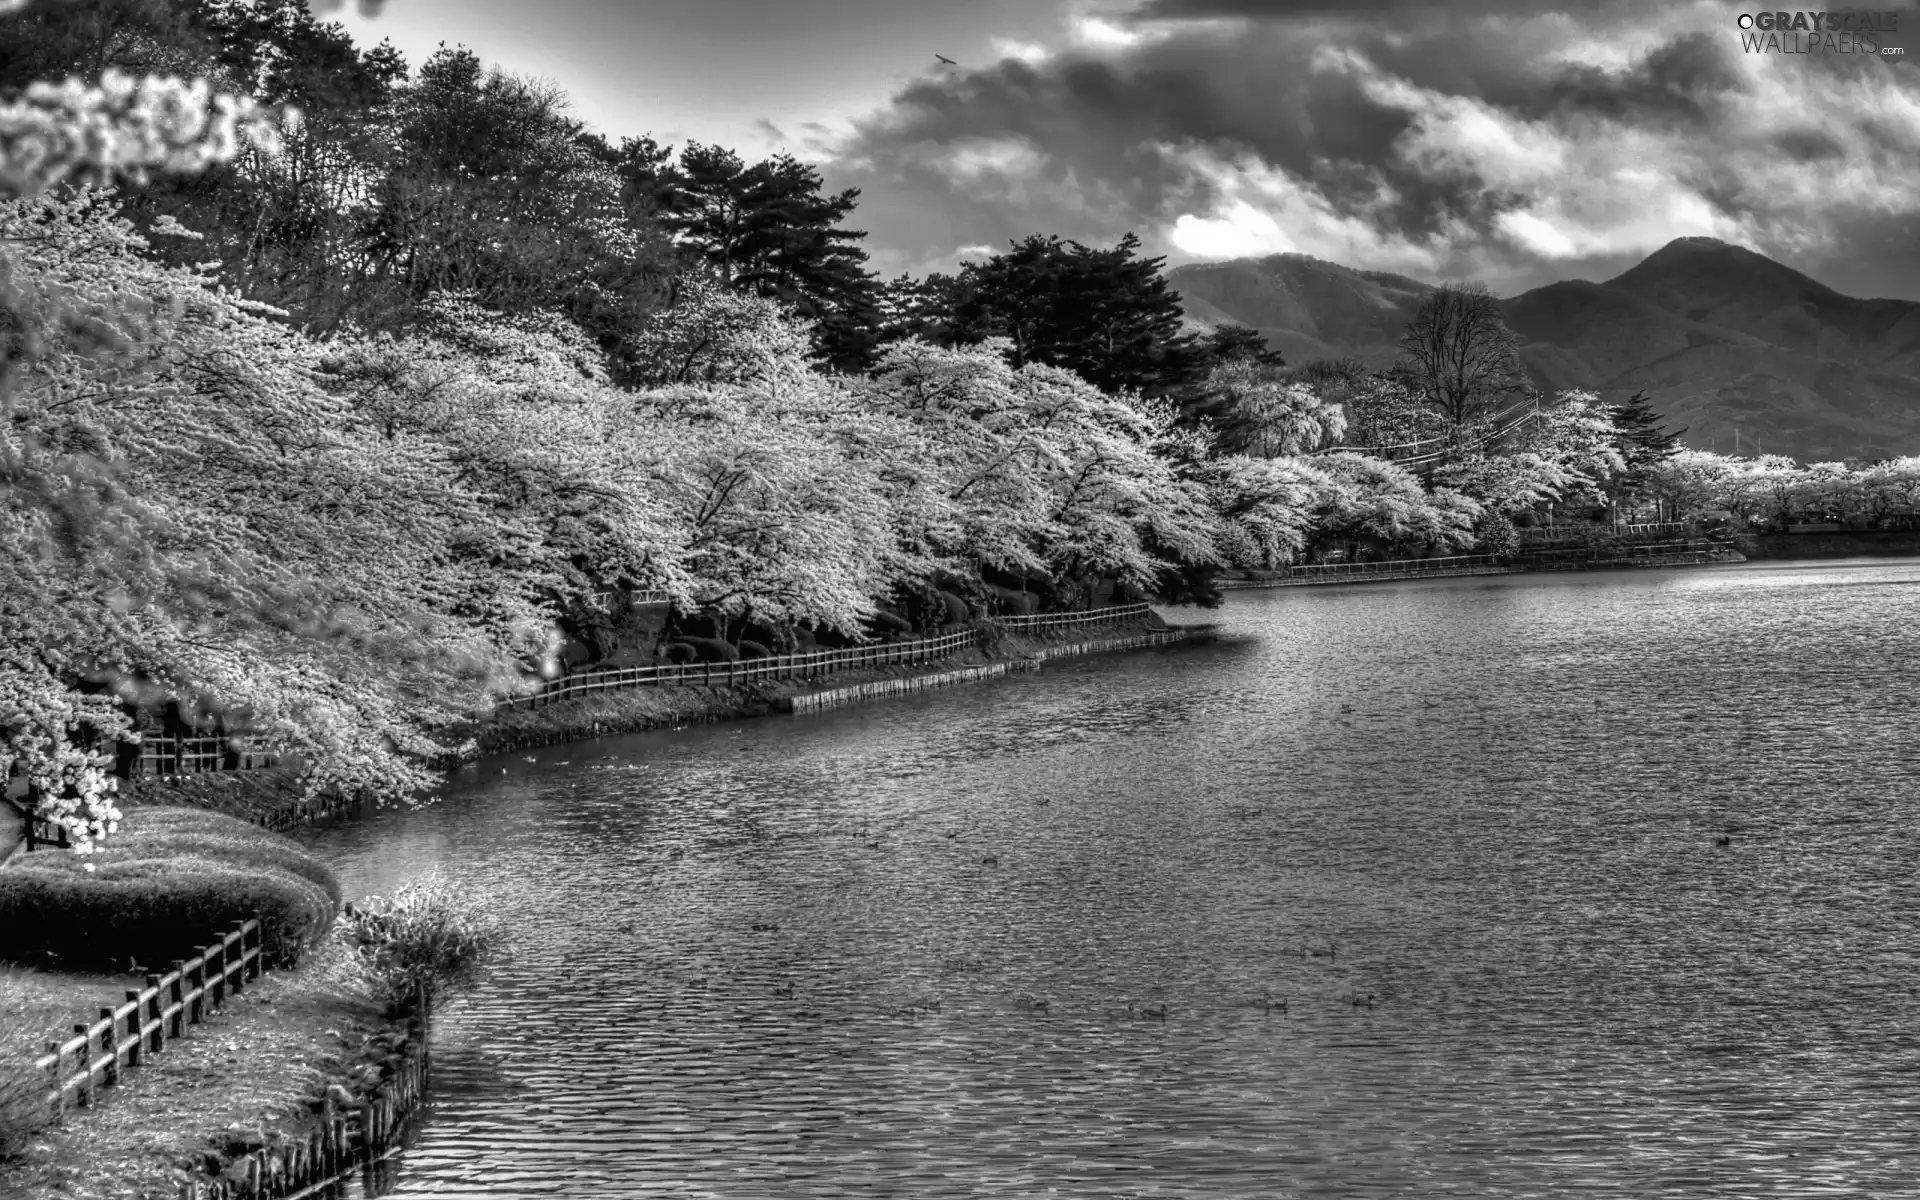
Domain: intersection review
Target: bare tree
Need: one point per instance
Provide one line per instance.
(1459, 354)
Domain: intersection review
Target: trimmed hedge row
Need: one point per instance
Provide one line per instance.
(164, 884)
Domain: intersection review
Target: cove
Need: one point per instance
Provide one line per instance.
(909, 948)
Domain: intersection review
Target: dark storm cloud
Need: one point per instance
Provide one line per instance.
(1449, 139)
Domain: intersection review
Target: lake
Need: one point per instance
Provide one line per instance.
(1032, 936)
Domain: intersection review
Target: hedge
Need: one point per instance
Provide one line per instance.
(166, 883)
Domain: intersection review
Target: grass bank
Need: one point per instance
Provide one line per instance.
(251, 1068)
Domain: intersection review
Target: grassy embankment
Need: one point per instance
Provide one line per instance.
(74, 931)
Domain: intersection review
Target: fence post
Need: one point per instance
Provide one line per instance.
(217, 985)
(239, 940)
(59, 1078)
(157, 1009)
(83, 1091)
(136, 1038)
(110, 1045)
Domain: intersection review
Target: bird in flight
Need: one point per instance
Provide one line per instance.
(943, 58)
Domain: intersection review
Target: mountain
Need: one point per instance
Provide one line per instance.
(1728, 343)
(1306, 308)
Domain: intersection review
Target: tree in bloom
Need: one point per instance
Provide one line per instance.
(711, 334)
(122, 128)
(1256, 410)
(1041, 474)
(1687, 483)
(554, 478)
(1264, 507)
(1369, 498)
(189, 515)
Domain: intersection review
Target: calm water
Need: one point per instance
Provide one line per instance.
(1496, 802)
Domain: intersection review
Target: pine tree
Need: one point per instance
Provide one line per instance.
(1641, 442)
(1107, 315)
(769, 230)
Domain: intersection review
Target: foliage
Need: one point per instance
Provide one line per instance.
(430, 936)
(120, 128)
(1370, 498)
(767, 230)
(159, 890)
(1498, 536)
(1035, 471)
(1106, 315)
(1255, 410)
(188, 514)
(1383, 413)
(1773, 491)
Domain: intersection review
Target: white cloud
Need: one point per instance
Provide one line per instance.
(1026, 52)
(1096, 31)
(1268, 210)
(972, 158)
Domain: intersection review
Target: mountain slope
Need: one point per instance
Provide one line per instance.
(1728, 342)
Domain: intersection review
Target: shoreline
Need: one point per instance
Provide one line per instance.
(269, 1044)
(272, 796)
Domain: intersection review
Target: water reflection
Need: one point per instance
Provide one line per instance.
(1020, 937)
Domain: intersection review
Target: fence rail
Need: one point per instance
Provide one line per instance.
(817, 662)
(98, 1053)
(1607, 533)
(1093, 616)
(1451, 562)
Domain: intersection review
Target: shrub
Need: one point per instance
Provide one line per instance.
(1498, 537)
(165, 884)
(679, 653)
(953, 609)
(711, 650)
(885, 623)
(1011, 602)
(751, 649)
(431, 935)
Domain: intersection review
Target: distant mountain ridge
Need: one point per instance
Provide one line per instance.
(1728, 342)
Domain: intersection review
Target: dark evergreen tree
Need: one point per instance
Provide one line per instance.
(769, 229)
(1227, 342)
(1107, 315)
(1642, 441)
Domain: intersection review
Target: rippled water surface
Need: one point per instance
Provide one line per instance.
(1018, 938)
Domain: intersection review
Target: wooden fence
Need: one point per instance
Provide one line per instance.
(1113, 614)
(1578, 535)
(818, 662)
(1393, 566)
(360, 1139)
(122, 1037)
(724, 674)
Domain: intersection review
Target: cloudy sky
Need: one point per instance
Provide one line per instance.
(1488, 139)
